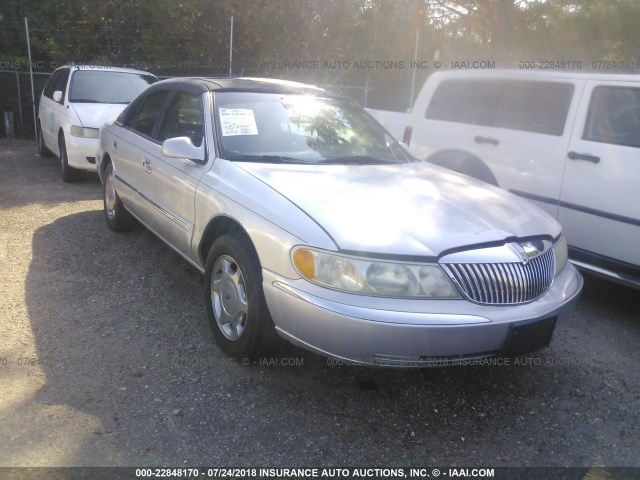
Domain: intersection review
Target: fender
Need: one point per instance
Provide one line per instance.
(465, 163)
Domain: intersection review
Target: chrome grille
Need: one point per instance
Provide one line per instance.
(504, 283)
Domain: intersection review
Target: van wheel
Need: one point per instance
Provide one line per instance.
(43, 151)
(68, 174)
(236, 306)
(117, 216)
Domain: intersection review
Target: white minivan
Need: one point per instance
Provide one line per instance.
(75, 103)
(569, 142)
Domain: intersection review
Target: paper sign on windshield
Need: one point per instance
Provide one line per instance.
(237, 121)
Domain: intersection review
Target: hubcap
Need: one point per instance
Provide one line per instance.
(229, 297)
(110, 196)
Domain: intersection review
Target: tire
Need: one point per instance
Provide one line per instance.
(67, 173)
(117, 216)
(43, 151)
(236, 306)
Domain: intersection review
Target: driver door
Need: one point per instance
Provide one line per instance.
(169, 184)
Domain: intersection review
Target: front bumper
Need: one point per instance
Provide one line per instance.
(82, 152)
(392, 332)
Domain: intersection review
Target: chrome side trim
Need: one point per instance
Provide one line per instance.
(165, 212)
(624, 279)
(125, 183)
(579, 208)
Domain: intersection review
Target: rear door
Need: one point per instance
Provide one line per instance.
(600, 200)
(133, 147)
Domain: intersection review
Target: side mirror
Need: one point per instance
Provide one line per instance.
(182, 147)
(57, 96)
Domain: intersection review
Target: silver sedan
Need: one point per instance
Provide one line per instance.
(311, 223)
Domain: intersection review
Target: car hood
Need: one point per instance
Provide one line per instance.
(94, 115)
(408, 209)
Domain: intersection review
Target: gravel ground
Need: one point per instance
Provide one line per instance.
(106, 359)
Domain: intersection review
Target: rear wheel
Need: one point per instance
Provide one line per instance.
(236, 306)
(68, 174)
(117, 217)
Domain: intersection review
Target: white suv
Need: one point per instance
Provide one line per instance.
(569, 142)
(75, 103)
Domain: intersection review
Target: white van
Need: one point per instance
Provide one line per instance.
(569, 142)
(75, 103)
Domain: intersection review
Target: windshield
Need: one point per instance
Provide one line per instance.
(265, 127)
(102, 86)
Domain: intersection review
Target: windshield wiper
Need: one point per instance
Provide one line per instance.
(359, 160)
(263, 159)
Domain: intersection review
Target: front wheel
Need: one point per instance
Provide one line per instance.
(117, 217)
(43, 151)
(68, 174)
(236, 307)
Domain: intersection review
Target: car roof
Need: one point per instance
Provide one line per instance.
(243, 84)
(538, 75)
(106, 69)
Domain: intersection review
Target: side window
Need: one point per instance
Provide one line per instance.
(614, 116)
(61, 83)
(129, 113)
(48, 88)
(465, 101)
(539, 107)
(184, 118)
(145, 119)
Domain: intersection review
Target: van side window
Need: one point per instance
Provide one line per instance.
(57, 81)
(614, 116)
(61, 84)
(538, 107)
(465, 101)
(53, 80)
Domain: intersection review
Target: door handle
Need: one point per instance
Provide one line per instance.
(583, 156)
(115, 144)
(490, 140)
(146, 165)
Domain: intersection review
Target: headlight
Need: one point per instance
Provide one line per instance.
(561, 252)
(373, 277)
(84, 132)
